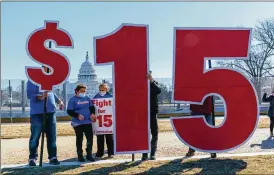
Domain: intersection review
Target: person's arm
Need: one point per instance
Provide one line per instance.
(33, 91)
(91, 107)
(72, 113)
(57, 100)
(266, 99)
(156, 90)
(71, 110)
(41, 96)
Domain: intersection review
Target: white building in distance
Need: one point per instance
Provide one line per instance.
(86, 76)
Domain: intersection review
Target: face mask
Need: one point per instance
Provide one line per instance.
(102, 93)
(82, 95)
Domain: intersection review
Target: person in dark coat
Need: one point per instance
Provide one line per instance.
(206, 110)
(154, 91)
(270, 99)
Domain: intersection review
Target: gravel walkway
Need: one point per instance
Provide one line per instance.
(15, 151)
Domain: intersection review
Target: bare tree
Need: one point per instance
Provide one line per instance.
(164, 95)
(259, 64)
(4, 97)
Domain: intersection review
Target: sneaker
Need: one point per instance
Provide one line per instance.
(81, 159)
(90, 158)
(190, 154)
(54, 162)
(32, 162)
(98, 156)
(110, 156)
(213, 155)
(152, 157)
(144, 157)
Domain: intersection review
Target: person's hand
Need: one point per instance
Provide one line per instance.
(93, 117)
(149, 77)
(61, 105)
(45, 94)
(80, 117)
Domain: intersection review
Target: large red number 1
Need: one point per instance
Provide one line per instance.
(126, 49)
(193, 83)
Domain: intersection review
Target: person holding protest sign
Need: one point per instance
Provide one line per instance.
(103, 94)
(154, 91)
(37, 100)
(81, 108)
(270, 114)
(206, 110)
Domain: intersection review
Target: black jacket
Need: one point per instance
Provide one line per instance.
(269, 99)
(154, 91)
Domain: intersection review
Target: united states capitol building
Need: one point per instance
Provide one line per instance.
(86, 76)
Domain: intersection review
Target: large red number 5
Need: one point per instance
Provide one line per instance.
(126, 49)
(193, 84)
(107, 121)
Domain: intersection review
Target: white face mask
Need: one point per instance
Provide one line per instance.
(82, 95)
(102, 93)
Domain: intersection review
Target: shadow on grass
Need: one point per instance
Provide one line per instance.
(113, 169)
(178, 166)
(103, 169)
(201, 166)
(37, 170)
(266, 144)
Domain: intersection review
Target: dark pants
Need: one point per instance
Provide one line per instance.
(154, 133)
(80, 131)
(101, 145)
(271, 124)
(209, 120)
(36, 124)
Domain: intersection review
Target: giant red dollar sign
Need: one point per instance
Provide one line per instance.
(58, 62)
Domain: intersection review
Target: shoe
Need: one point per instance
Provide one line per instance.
(144, 157)
(213, 155)
(90, 158)
(32, 162)
(81, 159)
(98, 156)
(152, 157)
(271, 134)
(190, 154)
(110, 156)
(54, 162)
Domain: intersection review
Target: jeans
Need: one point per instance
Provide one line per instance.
(208, 119)
(101, 144)
(154, 133)
(36, 124)
(79, 131)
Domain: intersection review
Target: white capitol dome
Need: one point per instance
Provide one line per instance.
(86, 76)
(87, 71)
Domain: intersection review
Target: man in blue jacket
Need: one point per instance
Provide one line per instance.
(37, 100)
